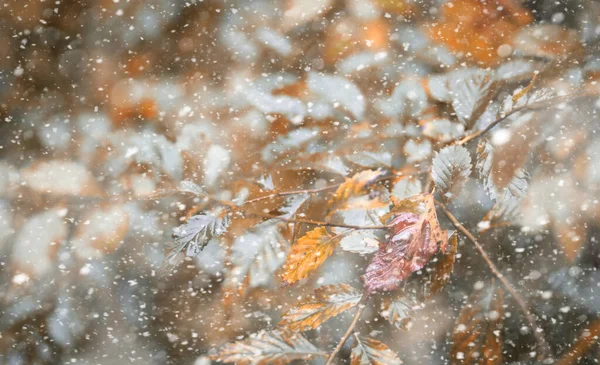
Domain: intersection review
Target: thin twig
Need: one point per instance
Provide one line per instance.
(292, 220)
(292, 192)
(361, 308)
(542, 345)
(533, 106)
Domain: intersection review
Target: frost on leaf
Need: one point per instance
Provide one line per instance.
(195, 233)
(327, 301)
(477, 335)
(337, 90)
(293, 204)
(415, 236)
(360, 241)
(399, 311)
(451, 169)
(216, 161)
(351, 193)
(273, 347)
(38, 241)
(187, 186)
(285, 143)
(258, 253)
(471, 92)
(443, 130)
(308, 254)
(507, 198)
(367, 351)
(406, 188)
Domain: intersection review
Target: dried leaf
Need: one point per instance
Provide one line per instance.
(477, 337)
(274, 347)
(328, 301)
(371, 160)
(415, 234)
(451, 169)
(443, 268)
(308, 254)
(471, 94)
(195, 233)
(353, 188)
(367, 351)
(258, 253)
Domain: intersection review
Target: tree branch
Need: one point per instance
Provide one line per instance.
(291, 220)
(542, 345)
(533, 106)
(361, 308)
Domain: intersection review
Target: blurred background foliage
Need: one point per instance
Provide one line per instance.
(103, 103)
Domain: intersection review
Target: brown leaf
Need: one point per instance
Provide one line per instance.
(367, 351)
(328, 301)
(308, 254)
(442, 271)
(274, 347)
(415, 234)
(589, 338)
(348, 194)
(477, 335)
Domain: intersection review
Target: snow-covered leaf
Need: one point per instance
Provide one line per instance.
(406, 188)
(191, 187)
(443, 130)
(216, 161)
(361, 241)
(399, 311)
(195, 233)
(337, 90)
(101, 231)
(293, 140)
(327, 301)
(258, 253)
(367, 351)
(451, 169)
(37, 242)
(471, 92)
(61, 178)
(274, 347)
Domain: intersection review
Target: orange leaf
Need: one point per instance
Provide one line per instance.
(477, 335)
(351, 189)
(308, 254)
(367, 351)
(328, 301)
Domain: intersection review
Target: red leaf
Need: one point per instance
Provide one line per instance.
(415, 234)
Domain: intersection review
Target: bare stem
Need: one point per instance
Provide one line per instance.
(542, 345)
(292, 192)
(533, 106)
(292, 220)
(361, 308)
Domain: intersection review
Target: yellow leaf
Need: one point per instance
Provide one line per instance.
(352, 188)
(328, 301)
(308, 254)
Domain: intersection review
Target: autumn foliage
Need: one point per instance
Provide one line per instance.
(304, 181)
